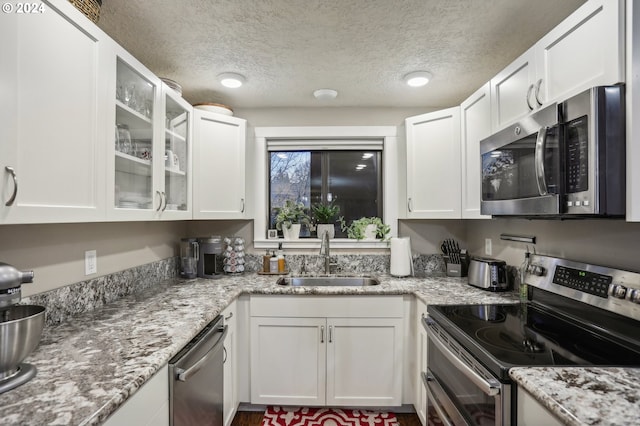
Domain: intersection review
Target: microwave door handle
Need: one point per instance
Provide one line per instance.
(541, 145)
(491, 388)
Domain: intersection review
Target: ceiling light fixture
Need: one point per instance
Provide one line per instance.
(325, 94)
(418, 78)
(231, 79)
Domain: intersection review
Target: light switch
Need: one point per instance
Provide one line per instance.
(90, 262)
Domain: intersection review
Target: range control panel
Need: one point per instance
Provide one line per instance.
(615, 290)
(585, 281)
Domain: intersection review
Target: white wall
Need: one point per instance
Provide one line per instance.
(56, 251)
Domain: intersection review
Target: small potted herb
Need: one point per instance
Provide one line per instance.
(367, 228)
(289, 219)
(325, 217)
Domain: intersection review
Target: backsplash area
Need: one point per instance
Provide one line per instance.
(65, 302)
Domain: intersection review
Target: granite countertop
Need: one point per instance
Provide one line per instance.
(89, 366)
(584, 395)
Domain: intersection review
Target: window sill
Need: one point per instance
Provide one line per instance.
(314, 243)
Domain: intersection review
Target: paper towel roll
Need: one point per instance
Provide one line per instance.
(401, 261)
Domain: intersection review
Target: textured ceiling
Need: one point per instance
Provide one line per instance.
(362, 48)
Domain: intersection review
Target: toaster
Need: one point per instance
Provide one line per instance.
(488, 274)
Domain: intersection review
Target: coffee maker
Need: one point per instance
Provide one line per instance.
(189, 255)
(210, 248)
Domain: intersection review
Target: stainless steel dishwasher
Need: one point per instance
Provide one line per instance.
(196, 378)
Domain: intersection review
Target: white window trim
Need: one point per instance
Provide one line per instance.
(390, 180)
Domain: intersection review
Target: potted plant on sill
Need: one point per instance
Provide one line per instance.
(325, 216)
(289, 219)
(368, 229)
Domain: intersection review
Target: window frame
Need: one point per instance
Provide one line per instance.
(390, 179)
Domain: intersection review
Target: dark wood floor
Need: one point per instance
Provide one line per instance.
(254, 418)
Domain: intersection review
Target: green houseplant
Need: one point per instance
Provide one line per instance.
(290, 217)
(325, 218)
(367, 228)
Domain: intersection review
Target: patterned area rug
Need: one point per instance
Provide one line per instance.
(295, 416)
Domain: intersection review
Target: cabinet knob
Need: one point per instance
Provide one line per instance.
(12, 172)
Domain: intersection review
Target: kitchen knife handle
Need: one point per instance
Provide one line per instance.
(12, 172)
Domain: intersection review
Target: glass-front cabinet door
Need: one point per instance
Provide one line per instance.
(134, 141)
(176, 155)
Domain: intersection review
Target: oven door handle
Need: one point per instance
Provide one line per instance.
(449, 414)
(491, 388)
(541, 144)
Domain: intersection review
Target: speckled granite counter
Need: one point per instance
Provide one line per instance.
(585, 396)
(89, 366)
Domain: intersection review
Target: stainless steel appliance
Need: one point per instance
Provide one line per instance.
(576, 314)
(20, 328)
(210, 248)
(196, 379)
(488, 274)
(189, 256)
(567, 159)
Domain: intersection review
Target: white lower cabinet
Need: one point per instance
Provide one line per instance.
(147, 407)
(532, 413)
(230, 404)
(330, 351)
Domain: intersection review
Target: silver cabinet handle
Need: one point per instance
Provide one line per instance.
(224, 358)
(164, 195)
(529, 96)
(409, 205)
(12, 172)
(184, 375)
(541, 144)
(242, 208)
(537, 92)
(158, 193)
(229, 317)
(330, 334)
(322, 334)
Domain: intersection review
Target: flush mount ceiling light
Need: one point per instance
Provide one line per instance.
(231, 79)
(325, 94)
(417, 78)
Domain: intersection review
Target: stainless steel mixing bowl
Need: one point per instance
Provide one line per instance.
(20, 331)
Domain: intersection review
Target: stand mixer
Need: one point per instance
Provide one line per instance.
(20, 328)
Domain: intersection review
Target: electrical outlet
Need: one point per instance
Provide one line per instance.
(90, 262)
(487, 246)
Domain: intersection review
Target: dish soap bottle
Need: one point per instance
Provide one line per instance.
(273, 263)
(281, 263)
(266, 267)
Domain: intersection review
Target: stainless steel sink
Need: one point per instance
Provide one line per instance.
(328, 280)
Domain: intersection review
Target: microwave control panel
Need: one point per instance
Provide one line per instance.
(577, 155)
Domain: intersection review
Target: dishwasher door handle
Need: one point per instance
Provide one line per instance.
(183, 375)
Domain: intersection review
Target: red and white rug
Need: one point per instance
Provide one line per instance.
(296, 416)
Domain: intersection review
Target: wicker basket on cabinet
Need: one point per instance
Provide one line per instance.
(91, 8)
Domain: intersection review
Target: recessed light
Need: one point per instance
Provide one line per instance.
(231, 79)
(417, 78)
(325, 94)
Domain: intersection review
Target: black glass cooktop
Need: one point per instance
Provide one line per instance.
(504, 336)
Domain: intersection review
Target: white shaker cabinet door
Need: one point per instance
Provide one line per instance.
(52, 135)
(288, 361)
(476, 125)
(218, 166)
(585, 50)
(433, 165)
(364, 361)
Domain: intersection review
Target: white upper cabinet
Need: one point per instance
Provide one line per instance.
(219, 166)
(585, 50)
(433, 165)
(52, 106)
(475, 125)
(513, 90)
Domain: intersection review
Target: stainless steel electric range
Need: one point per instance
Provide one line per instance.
(576, 314)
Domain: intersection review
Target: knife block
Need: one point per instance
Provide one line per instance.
(457, 269)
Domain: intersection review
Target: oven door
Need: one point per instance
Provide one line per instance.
(521, 167)
(460, 389)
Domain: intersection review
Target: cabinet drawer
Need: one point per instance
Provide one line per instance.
(327, 306)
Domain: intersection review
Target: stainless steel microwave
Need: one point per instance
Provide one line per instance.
(565, 160)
